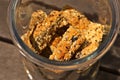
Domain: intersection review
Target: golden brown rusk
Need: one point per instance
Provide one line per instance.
(68, 33)
(36, 18)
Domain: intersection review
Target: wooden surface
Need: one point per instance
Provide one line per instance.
(11, 67)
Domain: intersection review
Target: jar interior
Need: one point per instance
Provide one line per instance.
(99, 11)
(95, 10)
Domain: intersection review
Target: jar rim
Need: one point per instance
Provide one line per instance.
(65, 65)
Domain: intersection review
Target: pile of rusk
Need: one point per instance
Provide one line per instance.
(67, 33)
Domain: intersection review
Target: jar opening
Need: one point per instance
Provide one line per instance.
(37, 59)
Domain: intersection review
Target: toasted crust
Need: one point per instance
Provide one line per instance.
(36, 18)
(93, 36)
(45, 32)
(70, 42)
(81, 37)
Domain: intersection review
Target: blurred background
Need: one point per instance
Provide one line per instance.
(11, 67)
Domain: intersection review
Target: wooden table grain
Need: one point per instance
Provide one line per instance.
(11, 67)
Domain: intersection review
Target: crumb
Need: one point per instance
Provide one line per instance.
(79, 36)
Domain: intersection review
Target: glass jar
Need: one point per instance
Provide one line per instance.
(41, 68)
